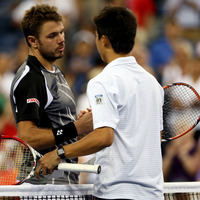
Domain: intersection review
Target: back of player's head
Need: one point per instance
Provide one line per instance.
(36, 16)
(119, 25)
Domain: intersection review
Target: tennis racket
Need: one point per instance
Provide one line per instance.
(18, 162)
(181, 110)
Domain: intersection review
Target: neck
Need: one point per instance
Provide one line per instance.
(45, 63)
(112, 56)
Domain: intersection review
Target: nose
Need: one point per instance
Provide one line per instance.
(61, 38)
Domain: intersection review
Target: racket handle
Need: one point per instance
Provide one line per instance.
(79, 168)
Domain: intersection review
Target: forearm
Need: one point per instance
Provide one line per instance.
(190, 163)
(167, 162)
(37, 138)
(170, 153)
(43, 138)
(92, 143)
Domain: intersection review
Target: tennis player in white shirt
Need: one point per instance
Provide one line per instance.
(126, 103)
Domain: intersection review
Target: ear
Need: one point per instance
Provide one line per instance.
(33, 41)
(106, 41)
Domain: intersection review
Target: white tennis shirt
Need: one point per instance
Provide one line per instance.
(127, 98)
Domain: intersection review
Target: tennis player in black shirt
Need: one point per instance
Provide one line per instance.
(41, 99)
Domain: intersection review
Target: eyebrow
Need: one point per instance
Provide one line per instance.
(55, 32)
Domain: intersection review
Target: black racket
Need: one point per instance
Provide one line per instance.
(181, 110)
(18, 162)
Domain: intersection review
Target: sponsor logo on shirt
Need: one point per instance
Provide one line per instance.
(99, 99)
(59, 132)
(33, 100)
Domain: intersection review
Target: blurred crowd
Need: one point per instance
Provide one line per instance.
(167, 45)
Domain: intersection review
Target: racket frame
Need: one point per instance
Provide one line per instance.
(87, 167)
(36, 157)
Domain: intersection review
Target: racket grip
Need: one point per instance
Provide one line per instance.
(79, 168)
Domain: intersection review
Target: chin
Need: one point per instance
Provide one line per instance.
(59, 56)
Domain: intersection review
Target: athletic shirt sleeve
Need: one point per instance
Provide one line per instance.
(103, 103)
(30, 98)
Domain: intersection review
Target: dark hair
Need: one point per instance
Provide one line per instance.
(36, 16)
(119, 25)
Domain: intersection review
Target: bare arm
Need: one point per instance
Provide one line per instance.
(181, 148)
(168, 159)
(92, 143)
(95, 141)
(190, 162)
(41, 139)
(37, 138)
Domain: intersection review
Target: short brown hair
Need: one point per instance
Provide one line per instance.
(36, 16)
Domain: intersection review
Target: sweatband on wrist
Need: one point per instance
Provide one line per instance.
(64, 133)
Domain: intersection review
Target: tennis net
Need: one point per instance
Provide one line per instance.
(172, 191)
(182, 190)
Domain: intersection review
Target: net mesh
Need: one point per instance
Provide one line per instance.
(172, 191)
(182, 191)
(46, 192)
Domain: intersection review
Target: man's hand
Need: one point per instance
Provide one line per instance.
(82, 112)
(47, 163)
(84, 124)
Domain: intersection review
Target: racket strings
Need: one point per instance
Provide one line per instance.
(27, 163)
(13, 166)
(180, 111)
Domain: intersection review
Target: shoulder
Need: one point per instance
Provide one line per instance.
(28, 77)
(100, 79)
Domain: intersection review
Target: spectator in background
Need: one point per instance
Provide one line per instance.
(197, 177)
(161, 49)
(145, 11)
(6, 74)
(186, 14)
(181, 159)
(8, 31)
(68, 9)
(179, 67)
(7, 122)
(197, 49)
(194, 72)
(82, 100)
(81, 60)
(143, 58)
(115, 3)
(2, 110)
(184, 68)
(19, 54)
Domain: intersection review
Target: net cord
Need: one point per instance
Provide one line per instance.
(182, 187)
(40, 190)
(85, 189)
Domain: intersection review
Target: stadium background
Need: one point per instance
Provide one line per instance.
(167, 45)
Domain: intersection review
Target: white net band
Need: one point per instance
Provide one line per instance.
(172, 191)
(182, 187)
(42, 190)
